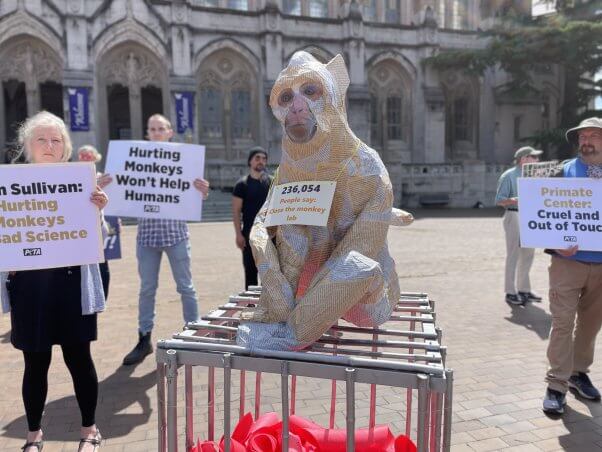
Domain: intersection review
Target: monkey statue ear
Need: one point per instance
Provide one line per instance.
(337, 68)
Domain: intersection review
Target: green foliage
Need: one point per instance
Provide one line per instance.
(523, 50)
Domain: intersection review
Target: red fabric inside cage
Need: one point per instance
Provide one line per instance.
(265, 435)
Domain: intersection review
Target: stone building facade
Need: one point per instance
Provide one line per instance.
(443, 136)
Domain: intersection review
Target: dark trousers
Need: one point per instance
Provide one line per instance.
(249, 264)
(35, 383)
(105, 275)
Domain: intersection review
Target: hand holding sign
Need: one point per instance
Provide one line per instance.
(561, 213)
(154, 179)
(51, 223)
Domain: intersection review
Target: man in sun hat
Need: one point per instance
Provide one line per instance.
(575, 289)
(518, 260)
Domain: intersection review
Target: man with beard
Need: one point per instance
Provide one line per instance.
(249, 195)
(575, 289)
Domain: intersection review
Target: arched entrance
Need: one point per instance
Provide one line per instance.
(132, 85)
(228, 105)
(30, 83)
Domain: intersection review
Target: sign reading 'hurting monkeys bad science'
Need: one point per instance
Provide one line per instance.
(46, 217)
(154, 180)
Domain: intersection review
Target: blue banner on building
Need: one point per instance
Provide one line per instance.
(113, 240)
(78, 109)
(184, 111)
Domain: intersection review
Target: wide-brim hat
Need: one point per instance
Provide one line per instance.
(526, 151)
(589, 123)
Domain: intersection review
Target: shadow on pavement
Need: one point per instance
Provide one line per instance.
(579, 425)
(117, 394)
(533, 318)
(5, 338)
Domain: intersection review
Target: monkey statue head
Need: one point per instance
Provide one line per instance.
(308, 99)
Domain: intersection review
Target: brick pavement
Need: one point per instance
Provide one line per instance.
(497, 352)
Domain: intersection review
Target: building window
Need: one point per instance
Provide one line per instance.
(461, 121)
(392, 12)
(374, 120)
(461, 19)
(318, 8)
(369, 11)
(441, 13)
(292, 7)
(517, 128)
(394, 118)
(211, 3)
(242, 5)
(390, 106)
(241, 114)
(211, 112)
(598, 101)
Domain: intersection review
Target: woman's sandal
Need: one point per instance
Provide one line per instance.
(38, 444)
(94, 441)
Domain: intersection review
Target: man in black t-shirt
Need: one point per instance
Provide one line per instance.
(249, 195)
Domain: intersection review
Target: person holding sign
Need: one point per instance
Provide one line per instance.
(575, 289)
(518, 259)
(155, 237)
(248, 196)
(88, 153)
(55, 306)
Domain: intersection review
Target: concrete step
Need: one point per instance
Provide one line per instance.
(217, 207)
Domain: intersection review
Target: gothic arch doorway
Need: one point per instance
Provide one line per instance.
(132, 85)
(30, 83)
(228, 105)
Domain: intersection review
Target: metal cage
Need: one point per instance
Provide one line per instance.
(410, 358)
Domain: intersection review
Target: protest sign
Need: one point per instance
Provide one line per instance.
(112, 242)
(559, 213)
(46, 217)
(305, 202)
(154, 180)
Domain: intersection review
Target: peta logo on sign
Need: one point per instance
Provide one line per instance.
(570, 238)
(151, 208)
(32, 251)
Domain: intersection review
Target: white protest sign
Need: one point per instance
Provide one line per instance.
(559, 213)
(154, 180)
(46, 217)
(306, 202)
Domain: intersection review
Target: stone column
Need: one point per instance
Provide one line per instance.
(180, 39)
(434, 125)
(32, 90)
(135, 111)
(76, 35)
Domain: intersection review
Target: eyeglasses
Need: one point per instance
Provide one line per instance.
(52, 142)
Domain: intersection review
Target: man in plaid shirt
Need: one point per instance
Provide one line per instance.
(155, 237)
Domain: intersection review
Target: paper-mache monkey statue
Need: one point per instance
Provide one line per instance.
(312, 276)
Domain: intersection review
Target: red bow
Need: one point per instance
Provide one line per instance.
(265, 435)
